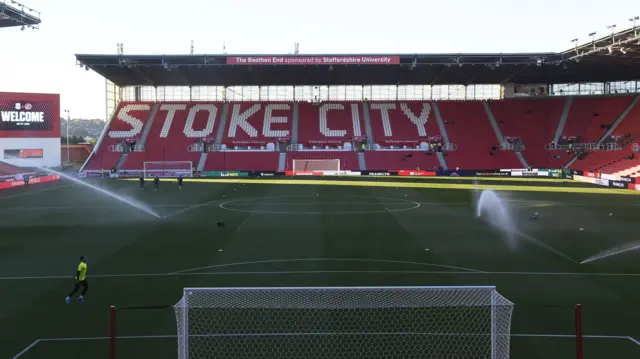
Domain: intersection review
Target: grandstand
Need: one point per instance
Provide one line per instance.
(577, 109)
(18, 15)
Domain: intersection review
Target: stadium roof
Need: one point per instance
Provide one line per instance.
(609, 59)
(18, 15)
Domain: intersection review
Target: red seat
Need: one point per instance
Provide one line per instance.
(535, 122)
(329, 124)
(405, 123)
(175, 127)
(241, 161)
(128, 123)
(471, 131)
(7, 169)
(400, 160)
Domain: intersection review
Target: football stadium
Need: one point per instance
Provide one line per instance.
(330, 206)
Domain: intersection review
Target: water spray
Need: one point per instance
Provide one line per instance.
(129, 201)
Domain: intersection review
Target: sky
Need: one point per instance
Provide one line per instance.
(43, 60)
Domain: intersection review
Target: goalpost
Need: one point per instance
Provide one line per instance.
(316, 165)
(342, 322)
(168, 168)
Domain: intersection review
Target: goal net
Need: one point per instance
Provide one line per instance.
(343, 322)
(168, 169)
(316, 165)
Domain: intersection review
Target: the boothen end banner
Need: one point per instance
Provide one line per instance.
(314, 60)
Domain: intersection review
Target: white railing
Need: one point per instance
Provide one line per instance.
(585, 147)
(137, 148)
(116, 148)
(445, 147)
(636, 147)
(196, 147)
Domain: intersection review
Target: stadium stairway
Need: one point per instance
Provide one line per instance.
(143, 137)
(499, 135)
(563, 119)
(366, 114)
(468, 127)
(282, 161)
(202, 161)
(362, 162)
(633, 104)
(597, 159)
(534, 122)
(442, 160)
(221, 126)
(440, 121)
(127, 122)
(294, 123)
(493, 122)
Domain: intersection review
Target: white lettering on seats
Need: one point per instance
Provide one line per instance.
(168, 120)
(136, 124)
(384, 116)
(240, 120)
(270, 119)
(208, 128)
(324, 128)
(419, 121)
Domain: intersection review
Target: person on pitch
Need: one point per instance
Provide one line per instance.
(156, 183)
(80, 280)
(142, 182)
(180, 183)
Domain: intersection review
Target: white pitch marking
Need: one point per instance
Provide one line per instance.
(33, 192)
(33, 344)
(618, 337)
(128, 275)
(324, 259)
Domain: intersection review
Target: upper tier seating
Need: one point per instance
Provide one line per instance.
(329, 124)
(534, 121)
(128, 123)
(7, 169)
(588, 113)
(469, 128)
(175, 127)
(254, 124)
(402, 123)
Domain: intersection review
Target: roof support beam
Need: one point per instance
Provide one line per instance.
(143, 76)
(509, 77)
(181, 77)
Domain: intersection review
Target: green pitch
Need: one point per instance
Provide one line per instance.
(307, 235)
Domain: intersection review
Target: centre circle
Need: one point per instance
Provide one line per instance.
(320, 205)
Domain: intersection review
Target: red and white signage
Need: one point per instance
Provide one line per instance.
(29, 115)
(34, 180)
(313, 60)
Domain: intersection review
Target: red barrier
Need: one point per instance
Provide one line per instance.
(415, 173)
(34, 180)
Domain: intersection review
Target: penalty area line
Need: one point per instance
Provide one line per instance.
(560, 336)
(33, 192)
(133, 275)
(326, 260)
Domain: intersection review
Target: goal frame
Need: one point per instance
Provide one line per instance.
(184, 353)
(160, 172)
(294, 169)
